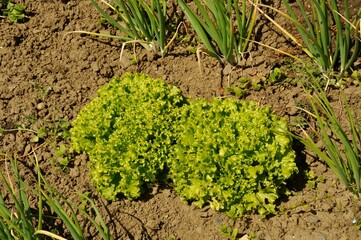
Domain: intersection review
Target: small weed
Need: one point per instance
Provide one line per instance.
(356, 76)
(312, 180)
(14, 12)
(63, 155)
(103, 21)
(42, 129)
(61, 129)
(58, 128)
(245, 84)
(241, 88)
(231, 233)
(39, 133)
(276, 75)
(44, 91)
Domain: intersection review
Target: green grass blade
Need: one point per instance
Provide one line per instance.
(310, 144)
(40, 204)
(353, 155)
(344, 35)
(23, 226)
(219, 12)
(332, 157)
(122, 12)
(144, 22)
(215, 24)
(6, 223)
(49, 197)
(355, 54)
(161, 10)
(325, 38)
(4, 231)
(23, 204)
(133, 20)
(356, 38)
(209, 24)
(358, 136)
(342, 40)
(112, 21)
(102, 228)
(304, 16)
(196, 23)
(55, 205)
(242, 24)
(139, 19)
(232, 40)
(246, 24)
(332, 148)
(309, 37)
(157, 30)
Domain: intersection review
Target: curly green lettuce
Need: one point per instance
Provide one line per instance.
(232, 155)
(127, 131)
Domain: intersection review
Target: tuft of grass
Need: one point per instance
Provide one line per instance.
(143, 22)
(19, 221)
(340, 145)
(16, 220)
(223, 27)
(329, 38)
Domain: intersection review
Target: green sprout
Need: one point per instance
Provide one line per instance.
(15, 12)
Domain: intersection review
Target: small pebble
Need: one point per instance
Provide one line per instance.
(74, 172)
(312, 219)
(40, 106)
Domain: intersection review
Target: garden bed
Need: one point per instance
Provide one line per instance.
(47, 76)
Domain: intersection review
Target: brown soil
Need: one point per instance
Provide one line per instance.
(47, 76)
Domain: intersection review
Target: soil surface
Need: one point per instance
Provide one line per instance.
(47, 74)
